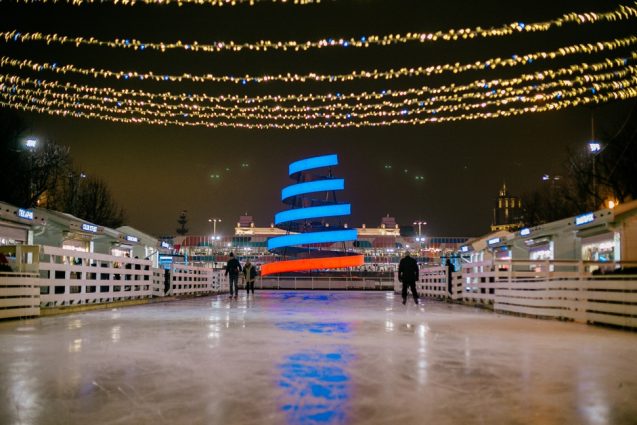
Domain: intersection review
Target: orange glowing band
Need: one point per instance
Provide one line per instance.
(312, 264)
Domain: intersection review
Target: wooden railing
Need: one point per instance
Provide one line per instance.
(19, 295)
(582, 291)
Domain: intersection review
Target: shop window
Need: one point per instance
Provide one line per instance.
(45, 274)
(44, 290)
(60, 274)
(91, 289)
(59, 289)
(105, 276)
(76, 275)
(75, 289)
(117, 288)
(91, 276)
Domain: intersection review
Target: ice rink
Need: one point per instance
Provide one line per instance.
(313, 358)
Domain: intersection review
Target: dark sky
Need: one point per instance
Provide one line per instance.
(155, 172)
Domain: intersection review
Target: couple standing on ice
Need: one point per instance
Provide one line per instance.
(233, 269)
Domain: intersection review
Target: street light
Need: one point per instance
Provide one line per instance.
(31, 143)
(214, 226)
(420, 224)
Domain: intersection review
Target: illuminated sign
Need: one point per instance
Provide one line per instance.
(464, 248)
(584, 218)
(165, 259)
(132, 238)
(315, 162)
(312, 264)
(165, 245)
(89, 228)
(494, 241)
(312, 238)
(310, 187)
(312, 212)
(26, 214)
(525, 232)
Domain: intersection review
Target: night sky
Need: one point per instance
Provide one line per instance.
(155, 172)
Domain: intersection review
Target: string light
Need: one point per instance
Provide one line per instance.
(511, 112)
(178, 2)
(578, 70)
(576, 95)
(562, 88)
(619, 14)
(489, 64)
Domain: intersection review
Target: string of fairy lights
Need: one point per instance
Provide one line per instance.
(490, 64)
(620, 94)
(621, 13)
(581, 69)
(177, 2)
(550, 89)
(562, 88)
(28, 95)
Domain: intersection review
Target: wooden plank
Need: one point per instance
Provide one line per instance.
(18, 302)
(630, 322)
(531, 310)
(625, 309)
(19, 312)
(19, 291)
(625, 297)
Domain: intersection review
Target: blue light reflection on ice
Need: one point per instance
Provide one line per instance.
(316, 384)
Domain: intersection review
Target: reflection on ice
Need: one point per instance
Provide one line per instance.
(316, 387)
(313, 358)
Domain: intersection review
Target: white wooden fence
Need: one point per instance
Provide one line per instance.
(320, 282)
(570, 290)
(70, 277)
(19, 295)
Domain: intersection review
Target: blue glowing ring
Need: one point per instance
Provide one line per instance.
(312, 212)
(315, 162)
(312, 238)
(311, 187)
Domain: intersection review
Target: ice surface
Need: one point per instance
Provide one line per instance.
(313, 358)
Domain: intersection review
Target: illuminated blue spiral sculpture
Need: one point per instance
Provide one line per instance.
(306, 221)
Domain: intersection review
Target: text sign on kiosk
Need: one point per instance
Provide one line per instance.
(493, 241)
(130, 238)
(584, 219)
(26, 214)
(89, 228)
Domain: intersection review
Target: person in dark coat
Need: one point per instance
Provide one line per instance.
(450, 270)
(408, 275)
(249, 274)
(233, 268)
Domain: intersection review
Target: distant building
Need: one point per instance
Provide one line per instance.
(507, 213)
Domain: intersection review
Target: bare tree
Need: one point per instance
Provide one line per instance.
(95, 203)
(32, 170)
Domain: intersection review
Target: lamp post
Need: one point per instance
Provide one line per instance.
(420, 224)
(31, 145)
(419, 239)
(214, 226)
(594, 147)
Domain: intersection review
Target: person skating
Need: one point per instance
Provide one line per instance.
(249, 274)
(233, 268)
(408, 275)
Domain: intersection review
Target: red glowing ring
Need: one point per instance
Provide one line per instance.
(312, 264)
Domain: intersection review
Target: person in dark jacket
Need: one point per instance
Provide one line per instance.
(450, 270)
(249, 274)
(233, 268)
(408, 275)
